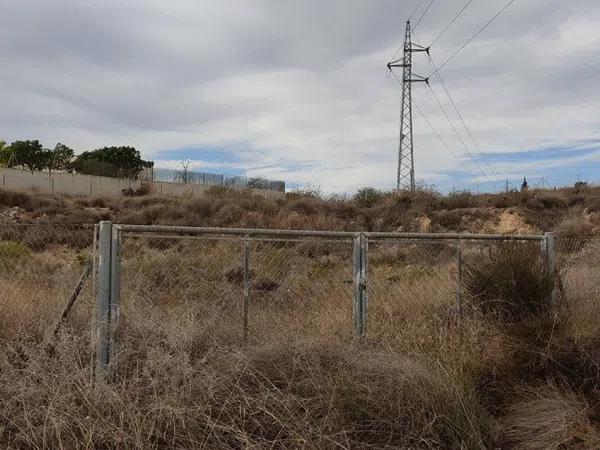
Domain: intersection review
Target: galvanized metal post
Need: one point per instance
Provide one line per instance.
(246, 257)
(103, 310)
(459, 293)
(359, 303)
(115, 291)
(549, 259)
(365, 279)
(95, 261)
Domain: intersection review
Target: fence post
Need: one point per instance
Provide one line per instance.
(359, 303)
(115, 292)
(459, 281)
(246, 257)
(103, 310)
(549, 259)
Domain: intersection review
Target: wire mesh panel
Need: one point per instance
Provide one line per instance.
(409, 278)
(578, 268)
(504, 277)
(300, 287)
(232, 288)
(192, 280)
(39, 268)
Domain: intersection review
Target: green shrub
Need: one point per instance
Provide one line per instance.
(12, 250)
(368, 196)
(510, 281)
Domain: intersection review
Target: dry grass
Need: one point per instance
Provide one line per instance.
(184, 378)
(549, 419)
(369, 209)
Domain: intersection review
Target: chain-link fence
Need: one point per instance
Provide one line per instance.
(254, 286)
(244, 287)
(214, 179)
(40, 266)
(238, 286)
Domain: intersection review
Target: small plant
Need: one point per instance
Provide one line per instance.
(12, 250)
(509, 282)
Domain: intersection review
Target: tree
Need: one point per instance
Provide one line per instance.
(122, 162)
(61, 157)
(4, 153)
(29, 154)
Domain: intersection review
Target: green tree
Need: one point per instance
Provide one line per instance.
(122, 162)
(61, 157)
(29, 154)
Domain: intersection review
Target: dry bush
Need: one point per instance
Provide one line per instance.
(448, 220)
(549, 420)
(573, 233)
(459, 200)
(510, 281)
(546, 200)
(187, 394)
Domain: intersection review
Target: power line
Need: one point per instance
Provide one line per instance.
(453, 55)
(457, 133)
(451, 22)
(424, 13)
(415, 9)
(460, 116)
(442, 140)
(419, 3)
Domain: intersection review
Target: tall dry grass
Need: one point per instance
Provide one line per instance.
(184, 378)
(369, 209)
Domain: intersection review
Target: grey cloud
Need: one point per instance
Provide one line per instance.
(288, 83)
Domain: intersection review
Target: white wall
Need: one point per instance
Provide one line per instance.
(65, 183)
(91, 185)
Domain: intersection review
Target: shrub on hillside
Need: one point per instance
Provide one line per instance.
(449, 220)
(460, 199)
(572, 234)
(546, 200)
(368, 196)
(510, 281)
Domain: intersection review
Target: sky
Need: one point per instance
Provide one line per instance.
(298, 90)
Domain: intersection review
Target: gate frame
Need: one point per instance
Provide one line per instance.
(107, 276)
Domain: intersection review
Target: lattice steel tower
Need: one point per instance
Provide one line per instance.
(406, 162)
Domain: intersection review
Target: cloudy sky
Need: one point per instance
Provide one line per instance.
(297, 90)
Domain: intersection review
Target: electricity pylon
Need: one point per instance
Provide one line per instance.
(406, 162)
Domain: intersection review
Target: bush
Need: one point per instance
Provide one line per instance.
(11, 249)
(460, 199)
(14, 198)
(451, 220)
(547, 200)
(219, 191)
(509, 282)
(367, 197)
(572, 233)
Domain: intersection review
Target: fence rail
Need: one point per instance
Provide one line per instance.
(320, 279)
(255, 285)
